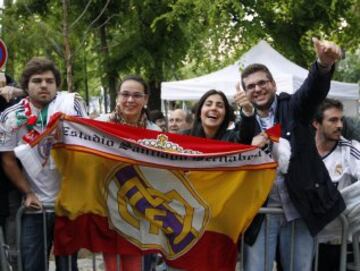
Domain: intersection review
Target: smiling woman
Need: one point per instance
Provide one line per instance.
(131, 101)
(213, 116)
(132, 97)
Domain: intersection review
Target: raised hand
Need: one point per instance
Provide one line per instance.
(242, 101)
(327, 52)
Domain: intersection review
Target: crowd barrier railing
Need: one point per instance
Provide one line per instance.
(356, 250)
(47, 208)
(19, 215)
(266, 211)
(3, 253)
(278, 211)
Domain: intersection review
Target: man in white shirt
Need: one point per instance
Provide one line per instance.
(342, 159)
(29, 117)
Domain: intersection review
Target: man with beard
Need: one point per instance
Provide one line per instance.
(342, 159)
(29, 117)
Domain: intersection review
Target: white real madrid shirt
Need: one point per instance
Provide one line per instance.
(343, 164)
(46, 184)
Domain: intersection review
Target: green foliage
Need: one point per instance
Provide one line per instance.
(348, 70)
(171, 39)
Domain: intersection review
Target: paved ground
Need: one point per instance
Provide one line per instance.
(86, 263)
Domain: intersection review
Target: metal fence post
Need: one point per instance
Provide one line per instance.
(344, 237)
(19, 215)
(3, 259)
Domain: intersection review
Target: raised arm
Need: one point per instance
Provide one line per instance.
(317, 85)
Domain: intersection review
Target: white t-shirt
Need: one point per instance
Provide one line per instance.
(46, 184)
(343, 164)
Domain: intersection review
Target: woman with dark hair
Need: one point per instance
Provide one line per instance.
(213, 115)
(132, 97)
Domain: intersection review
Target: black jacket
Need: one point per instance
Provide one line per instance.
(5, 184)
(308, 183)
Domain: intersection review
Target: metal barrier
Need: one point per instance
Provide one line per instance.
(267, 211)
(46, 209)
(343, 249)
(279, 211)
(3, 258)
(22, 210)
(356, 250)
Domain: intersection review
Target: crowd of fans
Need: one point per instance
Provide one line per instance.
(322, 147)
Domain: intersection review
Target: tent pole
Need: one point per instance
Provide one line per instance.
(166, 107)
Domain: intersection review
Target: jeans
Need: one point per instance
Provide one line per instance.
(279, 230)
(10, 228)
(33, 245)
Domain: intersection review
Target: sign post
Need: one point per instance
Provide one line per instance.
(3, 59)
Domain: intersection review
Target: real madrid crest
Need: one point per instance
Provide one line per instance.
(155, 209)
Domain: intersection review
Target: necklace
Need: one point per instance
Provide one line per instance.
(118, 118)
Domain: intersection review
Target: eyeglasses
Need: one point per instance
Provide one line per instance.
(135, 96)
(261, 84)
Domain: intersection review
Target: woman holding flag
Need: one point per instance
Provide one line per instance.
(132, 98)
(212, 120)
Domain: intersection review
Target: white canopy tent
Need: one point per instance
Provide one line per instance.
(288, 77)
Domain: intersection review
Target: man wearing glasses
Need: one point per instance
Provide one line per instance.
(305, 192)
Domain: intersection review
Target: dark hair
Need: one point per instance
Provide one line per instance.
(197, 129)
(39, 65)
(155, 115)
(138, 79)
(253, 68)
(9, 80)
(189, 119)
(325, 105)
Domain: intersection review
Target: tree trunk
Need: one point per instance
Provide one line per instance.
(86, 87)
(155, 97)
(67, 52)
(110, 73)
(10, 70)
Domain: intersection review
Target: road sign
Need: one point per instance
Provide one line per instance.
(3, 54)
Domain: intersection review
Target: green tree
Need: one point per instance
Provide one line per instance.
(166, 39)
(229, 27)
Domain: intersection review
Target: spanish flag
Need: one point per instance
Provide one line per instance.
(134, 191)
